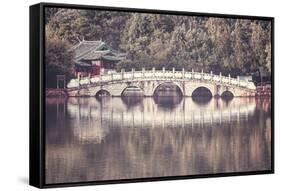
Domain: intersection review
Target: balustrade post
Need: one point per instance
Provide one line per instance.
(133, 72)
(111, 76)
(220, 76)
(153, 71)
(79, 78)
(202, 75)
(143, 71)
(238, 81)
(211, 75)
(183, 73)
(229, 78)
(163, 71)
(192, 73)
(173, 72)
(122, 74)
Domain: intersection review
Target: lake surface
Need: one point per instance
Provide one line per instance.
(90, 139)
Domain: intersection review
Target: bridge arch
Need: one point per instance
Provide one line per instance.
(132, 90)
(227, 94)
(193, 86)
(202, 91)
(102, 93)
(168, 82)
(201, 95)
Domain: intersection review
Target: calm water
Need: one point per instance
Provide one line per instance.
(91, 139)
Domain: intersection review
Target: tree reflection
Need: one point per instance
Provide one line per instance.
(163, 136)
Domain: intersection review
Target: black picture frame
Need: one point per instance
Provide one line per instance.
(37, 95)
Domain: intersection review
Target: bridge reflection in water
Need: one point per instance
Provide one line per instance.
(133, 137)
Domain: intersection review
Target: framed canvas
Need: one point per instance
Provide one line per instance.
(127, 95)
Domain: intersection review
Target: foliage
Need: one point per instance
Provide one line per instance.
(58, 60)
(235, 46)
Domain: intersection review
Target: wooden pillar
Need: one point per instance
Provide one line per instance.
(63, 80)
(58, 83)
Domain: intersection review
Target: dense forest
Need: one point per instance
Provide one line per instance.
(235, 46)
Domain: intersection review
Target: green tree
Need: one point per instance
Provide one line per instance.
(58, 60)
(235, 46)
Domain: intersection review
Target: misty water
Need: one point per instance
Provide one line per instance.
(89, 139)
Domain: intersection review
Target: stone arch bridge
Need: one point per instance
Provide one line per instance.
(149, 80)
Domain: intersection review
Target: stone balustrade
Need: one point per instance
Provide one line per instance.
(164, 74)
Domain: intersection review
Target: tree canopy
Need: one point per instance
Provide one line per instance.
(227, 45)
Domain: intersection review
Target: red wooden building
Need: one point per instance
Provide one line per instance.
(95, 58)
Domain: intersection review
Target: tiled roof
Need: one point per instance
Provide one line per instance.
(113, 58)
(94, 55)
(85, 47)
(91, 50)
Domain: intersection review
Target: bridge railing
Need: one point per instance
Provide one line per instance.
(161, 74)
